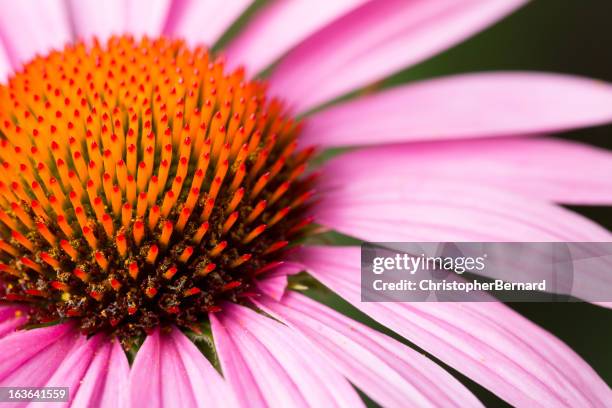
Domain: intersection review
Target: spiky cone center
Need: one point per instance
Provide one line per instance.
(141, 185)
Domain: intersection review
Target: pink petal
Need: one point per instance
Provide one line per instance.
(35, 358)
(203, 22)
(274, 282)
(145, 377)
(488, 342)
(19, 348)
(5, 65)
(281, 25)
(207, 384)
(11, 318)
(401, 207)
(98, 18)
(451, 192)
(269, 364)
(589, 279)
(147, 17)
(273, 286)
(375, 41)
(465, 106)
(70, 372)
(169, 371)
(104, 384)
(548, 169)
(389, 372)
(235, 370)
(31, 27)
(69, 360)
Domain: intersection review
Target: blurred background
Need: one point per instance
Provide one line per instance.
(566, 36)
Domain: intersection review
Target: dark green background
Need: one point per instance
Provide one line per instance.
(568, 36)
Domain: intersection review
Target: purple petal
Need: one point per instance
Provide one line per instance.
(170, 371)
(269, 364)
(281, 25)
(488, 342)
(389, 372)
(376, 40)
(465, 106)
(542, 168)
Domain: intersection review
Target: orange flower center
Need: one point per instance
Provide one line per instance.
(141, 185)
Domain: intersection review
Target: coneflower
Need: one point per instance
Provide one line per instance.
(153, 196)
(142, 184)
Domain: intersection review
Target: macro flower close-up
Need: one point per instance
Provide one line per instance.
(184, 183)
